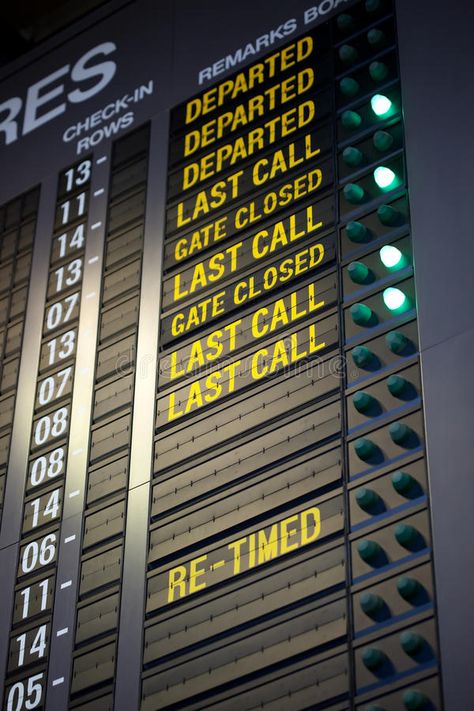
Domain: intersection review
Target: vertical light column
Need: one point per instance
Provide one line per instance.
(25, 397)
(70, 533)
(129, 655)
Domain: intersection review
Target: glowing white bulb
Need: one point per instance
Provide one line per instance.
(381, 104)
(391, 257)
(384, 177)
(395, 299)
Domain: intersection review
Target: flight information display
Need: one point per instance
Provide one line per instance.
(281, 551)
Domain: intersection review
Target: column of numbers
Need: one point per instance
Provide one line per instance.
(34, 594)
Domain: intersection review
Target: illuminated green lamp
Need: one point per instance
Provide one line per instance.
(392, 258)
(395, 300)
(385, 178)
(381, 105)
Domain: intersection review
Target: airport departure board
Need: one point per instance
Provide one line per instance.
(268, 543)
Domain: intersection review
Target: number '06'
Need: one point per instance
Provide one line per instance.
(38, 554)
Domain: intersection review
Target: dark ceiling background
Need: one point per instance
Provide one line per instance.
(26, 23)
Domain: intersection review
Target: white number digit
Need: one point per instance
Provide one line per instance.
(47, 391)
(52, 507)
(43, 427)
(55, 313)
(60, 418)
(38, 646)
(67, 342)
(84, 170)
(81, 199)
(44, 585)
(47, 549)
(69, 179)
(21, 649)
(34, 689)
(35, 504)
(30, 557)
(77, 239)
(16, 695)
(26, 595)
(50, 465)
(62, 244)
(26, 602)
(65, 210)
(42, 553)
(42, 430)
(39, 643)
(74, 270)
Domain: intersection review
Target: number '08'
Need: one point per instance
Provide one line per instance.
(51, 426)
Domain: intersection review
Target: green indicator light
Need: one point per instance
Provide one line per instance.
(349, 87)
(388, 216)
(402, 482)
(395, 300)
(397, 342)
(352, 156)
(382, 140)
(406, 535)
(351, 119)
(353, 193)
(362, 401)
(397, 385)
(361, 356)
(373, 657)
(361, 314)
(399, 432)
(407, 587)
(380, 104)
(385, 177)
(411, 642)
(345, 22)
(375, 37)
(357, 232)
(392, 258)
(359, 272)
(368, 550)
(347, 54)
(370, 603)
(367, 499)
(378, 71)
(372, 5)
(364, 448)
(414, 700)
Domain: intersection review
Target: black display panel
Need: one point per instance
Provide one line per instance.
(212, 421)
